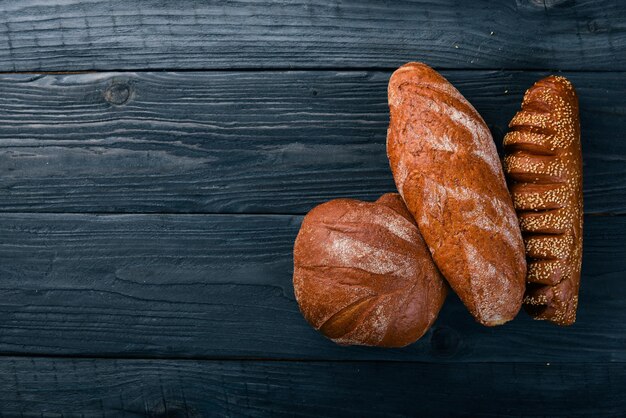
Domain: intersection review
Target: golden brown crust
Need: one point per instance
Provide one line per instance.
(363, 275)
(544, 166)
(446, 167)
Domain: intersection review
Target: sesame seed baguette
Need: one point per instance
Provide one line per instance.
(446, 167)
(543, 164)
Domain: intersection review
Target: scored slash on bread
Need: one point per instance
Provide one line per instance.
(543, 164)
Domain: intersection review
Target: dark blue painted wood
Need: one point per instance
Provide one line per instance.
(134, 388)
(220, 286)
(122, 34)
(260, 142)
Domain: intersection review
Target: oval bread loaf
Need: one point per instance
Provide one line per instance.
(446, 168)
(363, 275)
(544, 166)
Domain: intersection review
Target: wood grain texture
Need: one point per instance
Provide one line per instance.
(198, 287)
(219, 286)
(516, 34)
(260, 142)
(136, 388)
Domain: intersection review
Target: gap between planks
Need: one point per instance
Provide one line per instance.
(233, 359)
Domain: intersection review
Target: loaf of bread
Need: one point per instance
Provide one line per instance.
(544, 166)
(446, 167)
(363, 275)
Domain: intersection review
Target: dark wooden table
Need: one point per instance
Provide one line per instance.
(156, 159)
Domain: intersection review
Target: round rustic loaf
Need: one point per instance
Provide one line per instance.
(363, 275)
(446, 168)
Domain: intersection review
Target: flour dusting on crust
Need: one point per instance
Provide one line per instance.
(351, 252)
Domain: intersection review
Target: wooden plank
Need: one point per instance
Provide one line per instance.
(262, 142)
(158, 388)
(197, 286)
(113, 35)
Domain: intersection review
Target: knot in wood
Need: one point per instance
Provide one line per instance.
(117, 93)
